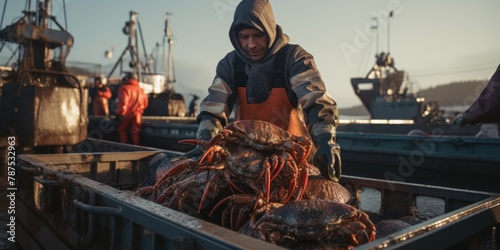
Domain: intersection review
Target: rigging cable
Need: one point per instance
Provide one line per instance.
(163, 56)
(1, 22)
(14, 53)
(3, 13)
(143, 48)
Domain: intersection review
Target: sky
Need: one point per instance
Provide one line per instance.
(434, 42)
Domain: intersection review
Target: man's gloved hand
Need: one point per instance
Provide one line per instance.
(208, 127)
(204, 135)
(198, 151)
(327, 158)
(460, 121)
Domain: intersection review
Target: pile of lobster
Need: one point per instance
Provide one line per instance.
(254, 178)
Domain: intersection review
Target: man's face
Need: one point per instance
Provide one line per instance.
(253, 42)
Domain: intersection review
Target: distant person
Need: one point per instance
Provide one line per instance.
(193, 106)
(486, 108)
(132, 101)
(100, 105)
(381, 58)
(266, 78)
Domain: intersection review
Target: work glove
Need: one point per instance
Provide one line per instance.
(459, 121)
(327, 157)
(208, 127)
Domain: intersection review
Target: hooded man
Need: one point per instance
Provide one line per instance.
(265, 78)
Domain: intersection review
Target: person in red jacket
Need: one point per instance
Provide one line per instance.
(132, 101)
(100, 104)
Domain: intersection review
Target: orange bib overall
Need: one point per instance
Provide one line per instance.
(277, 109)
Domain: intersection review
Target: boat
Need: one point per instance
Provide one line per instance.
(43, 107)
(36, 90)
(384, 93)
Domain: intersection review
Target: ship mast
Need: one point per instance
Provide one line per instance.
(130, 29)
(44, 23)
(133, 45)
(169, 37)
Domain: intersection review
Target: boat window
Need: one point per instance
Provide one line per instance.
(365, 86)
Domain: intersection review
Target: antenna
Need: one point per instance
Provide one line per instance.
(375, 27)
(391, 13)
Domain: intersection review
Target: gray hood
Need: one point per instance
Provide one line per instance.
(258, 14)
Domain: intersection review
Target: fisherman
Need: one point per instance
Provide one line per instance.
(193, 106)
(132, 101)
(266, 78)
(486, 108)
(100, 104)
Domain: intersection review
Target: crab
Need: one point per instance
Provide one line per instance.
(178, 170)
(261, 135)
(318, 187)
(187, 189)
(241, 209)
(254, 153)
(317, 220)
(247, 169)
